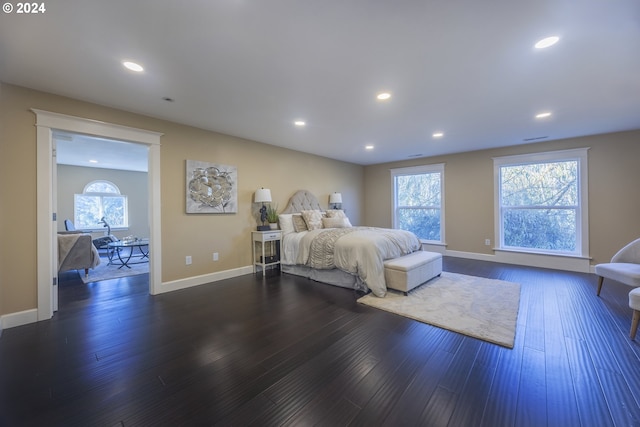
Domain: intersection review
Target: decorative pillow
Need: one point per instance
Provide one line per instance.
(334, 223)
(339, 213)
(286, 223)
(298, 223)
(313, 219)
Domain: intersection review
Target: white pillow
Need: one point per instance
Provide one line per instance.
(286, 223)
(339, 213)
(334, 223)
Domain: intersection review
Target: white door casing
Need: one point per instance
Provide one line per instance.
(46, 122)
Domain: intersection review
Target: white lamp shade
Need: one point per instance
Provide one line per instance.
(262, 195)
(335, 198)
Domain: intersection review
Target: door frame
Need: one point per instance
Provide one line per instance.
(47, 271)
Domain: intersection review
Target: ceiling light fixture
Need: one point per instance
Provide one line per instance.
(438, 135)
(383, 96)
(133, 66)
(368, 147)
(93, 161)
(300, 123)
(543, 115)
(546, 42)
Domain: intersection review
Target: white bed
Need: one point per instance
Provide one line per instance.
(323, 246)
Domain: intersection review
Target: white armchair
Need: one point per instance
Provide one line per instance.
(624, 266)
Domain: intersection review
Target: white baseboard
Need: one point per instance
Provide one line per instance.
(19, 318)
(188, 282)
(580, 265)
(471, 255)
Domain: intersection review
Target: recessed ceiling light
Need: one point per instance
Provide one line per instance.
(93, 161)
(300, 123)
(438, 135)
(368, 147)
(383, 96)
(546, 42)
(133, 66)
(543, 115)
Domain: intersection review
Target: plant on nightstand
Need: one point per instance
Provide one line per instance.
(272, 216)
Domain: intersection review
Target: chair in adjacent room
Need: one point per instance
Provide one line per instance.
(68, 225)
(624, 267)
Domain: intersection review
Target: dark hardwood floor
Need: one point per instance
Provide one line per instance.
(283, 350)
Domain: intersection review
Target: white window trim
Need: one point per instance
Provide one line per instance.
(416, 170)
(101, 181)
(117, 193)
(579, 154)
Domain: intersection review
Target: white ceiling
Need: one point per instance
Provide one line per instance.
(250, 68)
(81, 150)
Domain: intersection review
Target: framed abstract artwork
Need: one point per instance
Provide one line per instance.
(211, 188)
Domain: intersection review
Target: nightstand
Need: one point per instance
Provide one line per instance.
(265, 246)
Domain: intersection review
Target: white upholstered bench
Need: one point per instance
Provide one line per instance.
(410, 271)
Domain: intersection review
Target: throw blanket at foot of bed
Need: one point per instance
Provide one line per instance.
(357, 250)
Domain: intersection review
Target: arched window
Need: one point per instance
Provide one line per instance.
(100, 199)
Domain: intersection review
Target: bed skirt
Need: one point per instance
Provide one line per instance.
(335, 277)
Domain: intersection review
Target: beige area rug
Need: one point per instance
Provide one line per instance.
(106, 272)
(481, 308)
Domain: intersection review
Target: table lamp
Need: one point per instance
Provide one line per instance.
(261, 196)
(335, 199)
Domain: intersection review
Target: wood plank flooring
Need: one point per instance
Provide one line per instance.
(281, 350)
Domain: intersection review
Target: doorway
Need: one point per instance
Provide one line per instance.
(48, 122)
(102, 190)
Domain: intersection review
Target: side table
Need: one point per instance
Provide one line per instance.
(265, 246)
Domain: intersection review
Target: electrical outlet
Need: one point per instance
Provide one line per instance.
(487, 242)
(215, 256)
(187, 260)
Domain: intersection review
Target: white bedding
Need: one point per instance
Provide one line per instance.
(361, 251)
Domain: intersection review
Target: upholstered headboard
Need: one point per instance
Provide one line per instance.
(302, 200)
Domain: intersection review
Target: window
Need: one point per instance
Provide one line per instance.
(418, 201)
(100, 199)
(541, 202)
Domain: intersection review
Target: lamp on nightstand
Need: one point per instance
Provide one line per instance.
(335, 199)
(263, 196)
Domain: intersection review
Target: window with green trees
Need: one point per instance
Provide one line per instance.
(541, 202)
(418, 201)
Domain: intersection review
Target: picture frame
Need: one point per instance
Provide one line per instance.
(211, 188)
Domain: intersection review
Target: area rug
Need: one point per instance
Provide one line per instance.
(106, 272)
(481, 308)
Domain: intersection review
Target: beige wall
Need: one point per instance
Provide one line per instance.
(72, 179)
(614, 197)
(258, 165)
